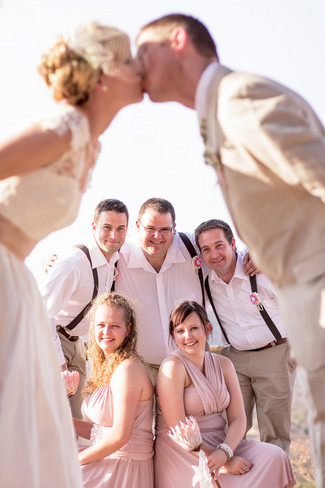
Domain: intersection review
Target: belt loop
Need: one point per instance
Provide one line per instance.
(271, 344)
(68, 336)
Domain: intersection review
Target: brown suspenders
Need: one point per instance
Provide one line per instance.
(83, 312)
(191, 249)
(267, 319)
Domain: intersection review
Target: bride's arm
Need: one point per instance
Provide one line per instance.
(30, 150)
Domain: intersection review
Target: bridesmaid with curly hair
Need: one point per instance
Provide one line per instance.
(43, 173)
(118, 407)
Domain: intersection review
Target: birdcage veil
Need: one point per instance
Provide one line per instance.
(105, 48)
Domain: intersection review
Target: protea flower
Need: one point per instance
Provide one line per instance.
(71, 381)
(187, 435)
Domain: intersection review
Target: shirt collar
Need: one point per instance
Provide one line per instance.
(239, 272)
(97, 257)
(137, 258)
(201, 90)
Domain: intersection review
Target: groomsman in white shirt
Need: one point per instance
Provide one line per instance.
(69, 286)
(159, 271)
(156, 271)
(250, 320)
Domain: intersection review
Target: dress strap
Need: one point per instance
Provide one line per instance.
(211, 385)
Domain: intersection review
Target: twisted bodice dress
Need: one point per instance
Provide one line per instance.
(206, 399)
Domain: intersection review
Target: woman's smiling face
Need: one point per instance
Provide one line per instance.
(110, 328)
(190, 336)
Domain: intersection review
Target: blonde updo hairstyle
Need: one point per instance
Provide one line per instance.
(67, 73)
(103, 367)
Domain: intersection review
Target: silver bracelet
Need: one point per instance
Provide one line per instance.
(227, 450)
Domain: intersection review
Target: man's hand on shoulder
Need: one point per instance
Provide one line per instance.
(250, 268)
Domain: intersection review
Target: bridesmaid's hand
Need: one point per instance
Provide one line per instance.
(237, 465)
(216, 459)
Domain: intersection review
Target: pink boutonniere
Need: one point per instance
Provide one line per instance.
(255, 300)
(197, 262)
(115, 274)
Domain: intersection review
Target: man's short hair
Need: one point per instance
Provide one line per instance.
(110, 205)
(197, 32)
(159, 205)
(214, 224)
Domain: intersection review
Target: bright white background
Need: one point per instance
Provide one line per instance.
(151, 149)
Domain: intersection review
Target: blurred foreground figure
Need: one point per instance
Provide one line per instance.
(44, 172)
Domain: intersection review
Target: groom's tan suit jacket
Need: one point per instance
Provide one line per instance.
(272, 151)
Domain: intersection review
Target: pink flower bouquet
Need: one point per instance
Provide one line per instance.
(71, 381)
(188, 436)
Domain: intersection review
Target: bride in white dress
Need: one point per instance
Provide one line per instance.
(43, 173)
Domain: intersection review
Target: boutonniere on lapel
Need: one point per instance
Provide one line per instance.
(256, 300)
(197, 262)
(210, 156)
(212, 159)
(203, 129)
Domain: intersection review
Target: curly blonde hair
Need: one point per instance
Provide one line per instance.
(103, 367)
(67, 73)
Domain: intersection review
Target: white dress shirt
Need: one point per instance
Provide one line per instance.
(202, 87)
(68, 287)
(154, 295)
(241, 319)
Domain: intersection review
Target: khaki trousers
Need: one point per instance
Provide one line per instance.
(74, 354)
(153, 370)
(303, 311)
(266, 380)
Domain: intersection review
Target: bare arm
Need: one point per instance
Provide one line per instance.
(127, 384)
(171, 382)
(30, 150)
(170, 386)
(58, 288)
(235, 415)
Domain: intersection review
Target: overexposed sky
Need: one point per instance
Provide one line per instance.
(155, 149)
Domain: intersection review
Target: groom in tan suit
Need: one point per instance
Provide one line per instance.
(268, 149)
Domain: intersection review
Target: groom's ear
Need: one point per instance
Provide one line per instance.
(178, 38)
(101, 83)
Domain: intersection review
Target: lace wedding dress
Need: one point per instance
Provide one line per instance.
(38, 445)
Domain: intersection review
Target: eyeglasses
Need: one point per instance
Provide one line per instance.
(151, 230)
